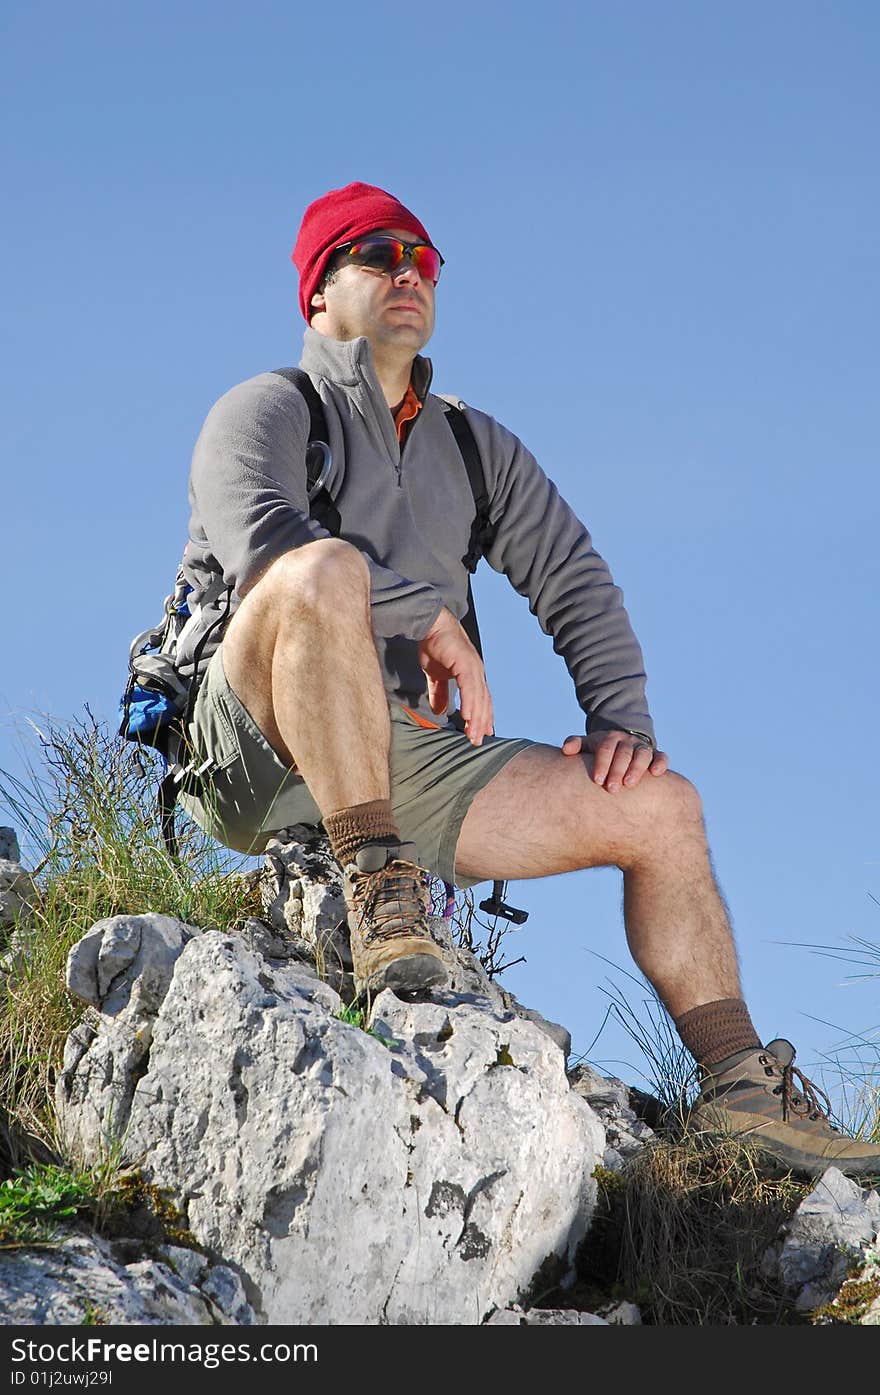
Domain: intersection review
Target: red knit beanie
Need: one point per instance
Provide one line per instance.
(338, 217)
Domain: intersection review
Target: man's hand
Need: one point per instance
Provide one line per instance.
(446, 653)
(619, 758)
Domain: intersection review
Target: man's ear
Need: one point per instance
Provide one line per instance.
(318, 301)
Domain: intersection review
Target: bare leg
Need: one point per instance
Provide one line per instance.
(676, 925)
(299, 653)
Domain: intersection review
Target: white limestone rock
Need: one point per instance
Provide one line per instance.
(9, 848)
(545, 1317)
(506, 1317)
(625, 1133)
(18, 896)
(303, 904)
(419, 1175)
(468, 976)
(622, 1314)
(122, 968)
(834, 1227)
(562, 1317)
(80, 1280)
(301, 891)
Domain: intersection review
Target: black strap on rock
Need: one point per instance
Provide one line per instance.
(496, 905)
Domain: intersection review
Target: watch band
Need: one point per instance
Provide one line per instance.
(643, 736)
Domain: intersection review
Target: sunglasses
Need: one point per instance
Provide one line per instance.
(388, 254)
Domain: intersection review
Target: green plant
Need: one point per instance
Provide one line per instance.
(36, 1202)
(683, 1228)
(355, 1016)
(858, 1293)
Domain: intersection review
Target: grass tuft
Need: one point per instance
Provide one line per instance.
(87, 810)
(39, 1200)
(698, 1215)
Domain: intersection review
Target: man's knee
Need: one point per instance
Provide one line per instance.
(322, 577)
(326, 567)
(675, 803)
(306, 592)
(669, 816)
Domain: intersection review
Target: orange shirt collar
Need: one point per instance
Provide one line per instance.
(407, 411)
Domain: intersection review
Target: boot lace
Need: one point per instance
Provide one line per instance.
(811, 1103)
(392, 902)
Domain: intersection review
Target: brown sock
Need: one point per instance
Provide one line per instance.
(349, 829)
(714, 1031)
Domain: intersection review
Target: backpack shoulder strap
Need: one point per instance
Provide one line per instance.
(483, 532)
(321, 505)
(482, 529)
(317, 420)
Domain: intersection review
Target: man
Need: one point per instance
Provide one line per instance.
(327, 699)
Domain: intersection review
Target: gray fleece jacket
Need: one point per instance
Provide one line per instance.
(409, 511)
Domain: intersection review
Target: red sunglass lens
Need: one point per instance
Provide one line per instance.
(379, 254)
(386, 254)
(427, 261)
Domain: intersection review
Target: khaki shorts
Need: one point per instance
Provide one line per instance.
(249, 793)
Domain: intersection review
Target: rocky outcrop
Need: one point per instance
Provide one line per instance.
(429, 1164)
(421, 1171)
(626, 1132)
(301, 889)
(613, 1314)
(122, 970)
(9, 848)
(17, 899)
(84, 1279)
(834, 1234)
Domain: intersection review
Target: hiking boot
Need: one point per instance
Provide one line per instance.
(387, 900)
(761, 1096)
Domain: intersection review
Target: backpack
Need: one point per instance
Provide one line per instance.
(158, 701)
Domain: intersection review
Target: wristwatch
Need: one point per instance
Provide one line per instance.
(643, 736)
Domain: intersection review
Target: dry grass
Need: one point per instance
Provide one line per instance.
(696, 1218)
(683, 1229)
(485, 936)
(88, 810)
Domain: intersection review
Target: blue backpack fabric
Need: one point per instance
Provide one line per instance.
(156, 693)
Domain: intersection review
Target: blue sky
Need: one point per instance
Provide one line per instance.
(660, 223)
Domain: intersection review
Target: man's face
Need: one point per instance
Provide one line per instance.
(391, 309)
